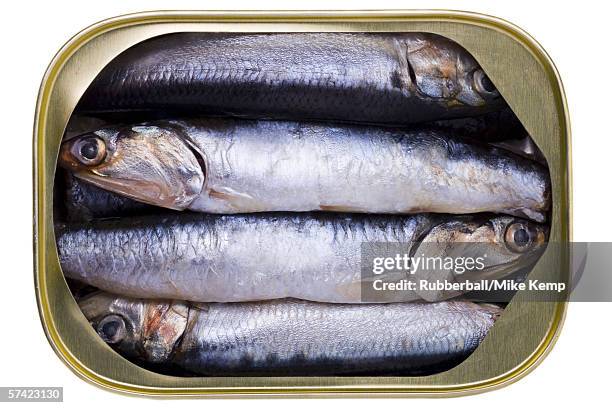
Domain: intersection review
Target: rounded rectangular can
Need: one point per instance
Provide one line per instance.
(519, 67)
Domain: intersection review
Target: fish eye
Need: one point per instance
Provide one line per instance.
(483, 84)
(518, 237)
(90, 151)
(112, 329)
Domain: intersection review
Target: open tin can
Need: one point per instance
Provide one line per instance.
(515, 63)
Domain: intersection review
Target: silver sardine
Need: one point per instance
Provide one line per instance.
(238, 166)
(379, 78)
(290, 337)
(317, 257)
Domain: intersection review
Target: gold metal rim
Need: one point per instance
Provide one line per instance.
(274, 16)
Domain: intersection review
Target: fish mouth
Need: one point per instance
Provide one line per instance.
(148, 192)
(501, 270)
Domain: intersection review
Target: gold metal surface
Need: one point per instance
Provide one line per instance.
(517, 65)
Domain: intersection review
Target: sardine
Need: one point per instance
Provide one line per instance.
(355, 77)
(291, 337)
(84, 201)
(238, 166)
(317, 257)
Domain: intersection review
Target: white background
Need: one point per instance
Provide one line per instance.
(578, 39)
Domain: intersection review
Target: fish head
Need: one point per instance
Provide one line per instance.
(151, 164)
(442, 70)
(480, 248)
(137, 328)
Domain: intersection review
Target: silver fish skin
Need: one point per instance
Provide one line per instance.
(364, 77)
(317, 257)
(236, 166)
(291, 337)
